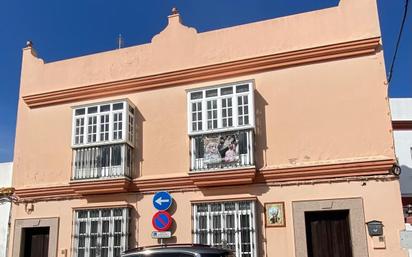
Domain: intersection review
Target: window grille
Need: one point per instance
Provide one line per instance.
(101, 232)
(228, 225)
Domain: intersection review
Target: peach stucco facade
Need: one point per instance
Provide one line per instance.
(322, 131)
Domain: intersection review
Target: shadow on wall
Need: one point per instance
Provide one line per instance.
(134, 219)
(138, 163)
(260, 136)
(260, 233)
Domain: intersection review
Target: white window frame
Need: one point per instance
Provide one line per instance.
(219, 97)
(124, 236)
(223, 214)
(128, 136)
(85, 155)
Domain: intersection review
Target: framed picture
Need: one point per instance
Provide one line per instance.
(275, 214)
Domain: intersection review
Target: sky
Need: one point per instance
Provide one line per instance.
(66, 29)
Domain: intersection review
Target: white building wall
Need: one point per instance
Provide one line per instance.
(401, 110)
(5, 181)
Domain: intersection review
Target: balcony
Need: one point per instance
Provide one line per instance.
(102, 162)
(220, 151)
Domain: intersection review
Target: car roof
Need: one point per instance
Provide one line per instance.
(181, 248)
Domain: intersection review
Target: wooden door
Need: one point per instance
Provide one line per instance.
(328, 234)
(36, 243)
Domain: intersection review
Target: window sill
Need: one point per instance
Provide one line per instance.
(220, 130)
(96, 144)
(223, 177)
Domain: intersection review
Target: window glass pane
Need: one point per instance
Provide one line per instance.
(117, 212)
(82, 214)
(243, 110)
(104, 127)
(244, 205)
(93, 227)
(94, 214)
(211, 93)
(130, 129)
(227, 119)
(92, 129)
(105, 108)
(117, 226)
(242, 88)
(212, 114)
(79, 111)
(116, 155)
(105, 229)
(226, 91)
(82, 227)
(79, 131)
(196, 116)
(196, 95)
(216, 207)
(230, 206)
(92, 109)
(117, 126)
(118, 106)
(131, 110)
(199, 147)
(202, 207)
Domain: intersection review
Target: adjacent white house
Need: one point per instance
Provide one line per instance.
(401, 109)
(5, 181)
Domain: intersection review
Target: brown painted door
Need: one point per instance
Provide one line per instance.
(328, 234)
(36, 243)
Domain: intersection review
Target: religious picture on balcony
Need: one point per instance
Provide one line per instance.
(212, 155)
(221, 149)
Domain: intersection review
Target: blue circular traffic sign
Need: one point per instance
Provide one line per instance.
(162, 200)
(162, 220)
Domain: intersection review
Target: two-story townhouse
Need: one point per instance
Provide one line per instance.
(273, 138)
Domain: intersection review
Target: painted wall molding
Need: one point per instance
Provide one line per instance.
(188, 183)
(206, 73)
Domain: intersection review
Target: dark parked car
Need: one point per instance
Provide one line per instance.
(179, 250)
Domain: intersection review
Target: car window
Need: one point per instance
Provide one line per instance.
(171, 255)
(165, 255)
(217, 255)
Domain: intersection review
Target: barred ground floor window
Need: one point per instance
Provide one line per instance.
(228, 225)
(101, 232)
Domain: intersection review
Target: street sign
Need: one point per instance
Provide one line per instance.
(162, 220)
(162, 200)
(161, 234)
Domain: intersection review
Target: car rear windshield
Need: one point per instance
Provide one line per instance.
(184, 255)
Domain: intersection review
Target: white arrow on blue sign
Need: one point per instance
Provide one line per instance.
(162, 200)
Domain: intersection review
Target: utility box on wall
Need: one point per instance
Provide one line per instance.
(375, 228)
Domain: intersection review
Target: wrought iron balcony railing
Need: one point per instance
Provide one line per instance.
(104, 161)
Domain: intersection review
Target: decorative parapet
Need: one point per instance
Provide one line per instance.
(206, 73)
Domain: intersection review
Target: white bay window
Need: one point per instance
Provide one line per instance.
(226, 224)
(103, 140)
(221, 123)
